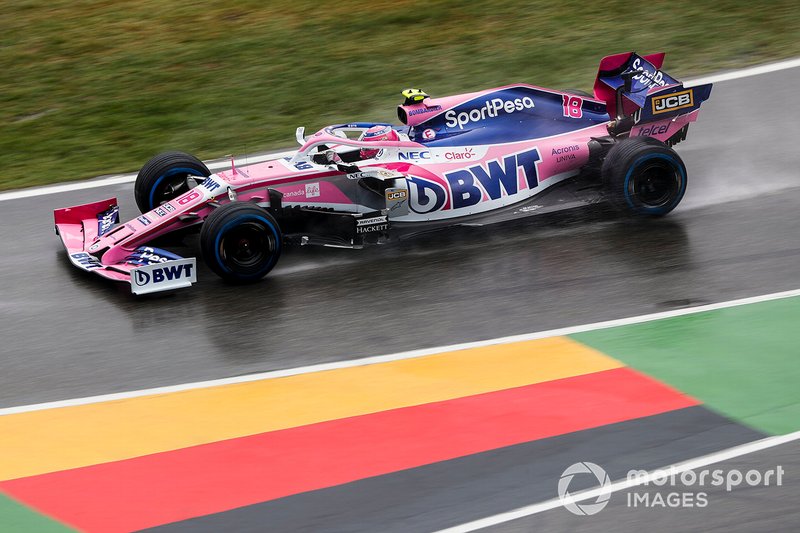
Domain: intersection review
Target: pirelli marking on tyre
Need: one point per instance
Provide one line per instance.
(673, 101)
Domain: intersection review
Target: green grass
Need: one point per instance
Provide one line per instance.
(96, 86)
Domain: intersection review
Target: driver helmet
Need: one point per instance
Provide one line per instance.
(377, 133)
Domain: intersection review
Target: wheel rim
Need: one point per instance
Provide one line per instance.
(247, 246)
(656, 183)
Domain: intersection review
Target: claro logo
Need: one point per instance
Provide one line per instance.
(671, 102)
(492, 108)
(167, 273)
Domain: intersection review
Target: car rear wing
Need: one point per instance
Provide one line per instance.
(645, 100)
(625, 81)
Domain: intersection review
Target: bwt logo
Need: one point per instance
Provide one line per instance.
(168, 273)
(670, 102)
(471, 185)
(495, 179)
(210, 184)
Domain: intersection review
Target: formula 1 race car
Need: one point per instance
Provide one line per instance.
(472, 158)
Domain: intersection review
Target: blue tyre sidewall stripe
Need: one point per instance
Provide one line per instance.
(674, 163)
(239, 220)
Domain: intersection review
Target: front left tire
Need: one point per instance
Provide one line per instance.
(167, 176)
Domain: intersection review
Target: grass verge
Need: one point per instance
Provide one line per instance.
(93, 87)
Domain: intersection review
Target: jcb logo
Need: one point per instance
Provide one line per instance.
(671, 102)
(396, 195)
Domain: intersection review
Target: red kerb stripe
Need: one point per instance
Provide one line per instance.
(167, 487)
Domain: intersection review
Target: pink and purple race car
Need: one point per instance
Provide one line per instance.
(473, 158)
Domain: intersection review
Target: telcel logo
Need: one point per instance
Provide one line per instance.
(492, 108)
(671, 102)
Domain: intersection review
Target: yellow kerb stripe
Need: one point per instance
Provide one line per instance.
(59, 439)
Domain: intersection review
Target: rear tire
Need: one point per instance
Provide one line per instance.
(167, 176)
(642, 176)
(241, 242)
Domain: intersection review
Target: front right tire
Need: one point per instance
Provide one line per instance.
(241, 242)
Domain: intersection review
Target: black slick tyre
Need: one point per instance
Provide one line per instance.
(643, 177)
(241, 242)
(167, 176)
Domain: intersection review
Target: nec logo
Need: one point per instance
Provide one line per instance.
(413, 156)
(158, 275)
(671, 102)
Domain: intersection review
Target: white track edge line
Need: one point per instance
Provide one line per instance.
(273, 374)
(126, 178)
(677, 468)
(745, 72)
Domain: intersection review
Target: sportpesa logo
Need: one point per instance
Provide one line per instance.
(492, 108)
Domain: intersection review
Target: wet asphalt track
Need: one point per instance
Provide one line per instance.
(67, 334)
